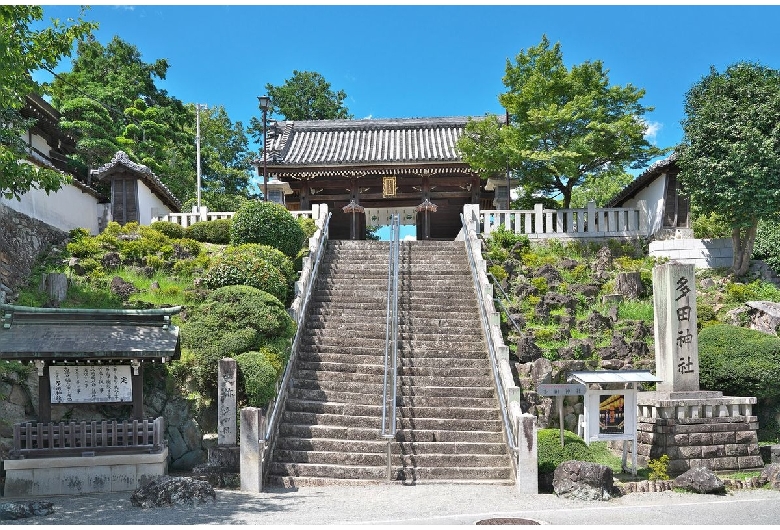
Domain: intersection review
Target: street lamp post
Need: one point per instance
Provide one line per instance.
(265, 104)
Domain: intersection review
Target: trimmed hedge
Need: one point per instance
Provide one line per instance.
(267, 223)
(257, 375)
(233, 320)
(247, 268)
(739, 362)
(216, 231)
(172, 230)
(275, 257)
(550, 454)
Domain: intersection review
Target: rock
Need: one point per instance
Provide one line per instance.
(217, 475)
(189, 460)
(771, 475)
(176, 444)
(583, 480)
(700, 480)
(192, 435)
(541, 372)
(568, 264)
(630, 285)
(527, 350)
(10, 511)
(549, 273)
(111, 261)
(603, 264)
(595, 322)
(587, 290)
(122, 288)
(170, 491)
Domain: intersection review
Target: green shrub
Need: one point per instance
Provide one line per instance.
(704, 313)
(507, 239)
(498, 272)
(216, 231)
(257, 375)
(232, 320)
(659, 469)
(172, 230)
(711, 226)
(247, 268)
(739, 361)
(767, 244)
(550, 453)
(267, 223)
(275, 257)
(308, 226)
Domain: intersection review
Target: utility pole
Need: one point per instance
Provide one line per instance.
(198, 106)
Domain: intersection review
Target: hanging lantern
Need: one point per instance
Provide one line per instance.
(426, 206)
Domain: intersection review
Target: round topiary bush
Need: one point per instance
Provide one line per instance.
(274, 256)
(172, 230)
(216, 231)
(308, 225)
(267, 223)
(257, 375)
(247, 268)
(232, 320)
(739, 362)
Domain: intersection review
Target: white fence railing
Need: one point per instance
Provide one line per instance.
(188, 218)
(589, 222)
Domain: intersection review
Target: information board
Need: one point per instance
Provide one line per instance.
(89, 383)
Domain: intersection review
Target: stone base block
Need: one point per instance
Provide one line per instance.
(227, 457)
(68, 475)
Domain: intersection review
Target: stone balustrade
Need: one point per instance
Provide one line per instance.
(189, 218)
(588, 222)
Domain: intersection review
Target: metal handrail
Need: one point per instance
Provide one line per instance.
(391, 342)
(509, 430)
(276, 407)
(500, 302)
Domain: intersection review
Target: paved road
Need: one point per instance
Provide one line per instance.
(421, 504)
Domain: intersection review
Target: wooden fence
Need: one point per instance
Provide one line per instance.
(88, 438)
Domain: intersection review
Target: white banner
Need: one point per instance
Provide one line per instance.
(90, 383)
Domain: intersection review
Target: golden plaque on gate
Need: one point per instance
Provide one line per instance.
(388, 187)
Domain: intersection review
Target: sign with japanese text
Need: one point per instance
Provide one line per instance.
(90, 383)
(560, 390)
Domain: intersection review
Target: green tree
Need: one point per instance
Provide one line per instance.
(225, 157)
(600, 189)
(110, 99)
(730, 154)
(305, 96)
(563, 125)
(24, 50)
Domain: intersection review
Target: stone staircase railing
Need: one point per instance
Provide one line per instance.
(588, 222)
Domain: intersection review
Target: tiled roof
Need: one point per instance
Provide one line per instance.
(333, 143)
(156, 185)
(643, 180)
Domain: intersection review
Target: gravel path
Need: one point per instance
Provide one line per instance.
(421, 504)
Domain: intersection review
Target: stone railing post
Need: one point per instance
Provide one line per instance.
(252, 449)
(592, 224)
(644, 218)
(539, 227)
(527, 450)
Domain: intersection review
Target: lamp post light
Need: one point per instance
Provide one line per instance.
(265, 104)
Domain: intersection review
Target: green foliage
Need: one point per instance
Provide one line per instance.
(659, 468)
(501, 238)
(739, 361)
(710, 226)
(247, 268)
(767, 246)
(275, 257)
(27, 46)
(498, 272)
(730, 154)
(232, 320)
(216, 231)
(540, 283)
(550, 453)
(756, 290)
(600, 189)
(267, 223)
(307, 96)
(308, 226)
(172, 230)
(257, 375)
(565, 125)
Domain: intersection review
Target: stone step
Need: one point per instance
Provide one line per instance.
(422, 460)
(358, 357)
(408, 410)
(410, 381)
(288, 482)
(335, 432)
(402, 423)
(329, 471)
(375, 389)
(397, 448)
(329, 395)
(306, 367)
(376, 337)
(475, 352)
(501, 474)
(412, 314)
(454, 327)
(421, 435)
(486, 400)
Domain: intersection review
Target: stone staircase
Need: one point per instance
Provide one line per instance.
(449, 424)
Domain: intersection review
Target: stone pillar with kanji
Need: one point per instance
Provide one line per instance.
(676, 339)
(226, 402)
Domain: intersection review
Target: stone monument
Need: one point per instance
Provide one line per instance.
(694, 428)
(226, 453)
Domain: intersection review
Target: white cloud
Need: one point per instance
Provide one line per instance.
(651, 130)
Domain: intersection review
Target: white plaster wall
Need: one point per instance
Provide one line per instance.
(149, 205)
(66, 209)
(654, 194)
(702, 253)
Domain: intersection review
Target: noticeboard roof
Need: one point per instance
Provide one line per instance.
(614, 376)
(29, 333)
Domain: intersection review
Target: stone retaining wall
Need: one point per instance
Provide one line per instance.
(22, 239)
(703, 253)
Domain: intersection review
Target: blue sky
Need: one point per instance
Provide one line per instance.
(436, 60)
